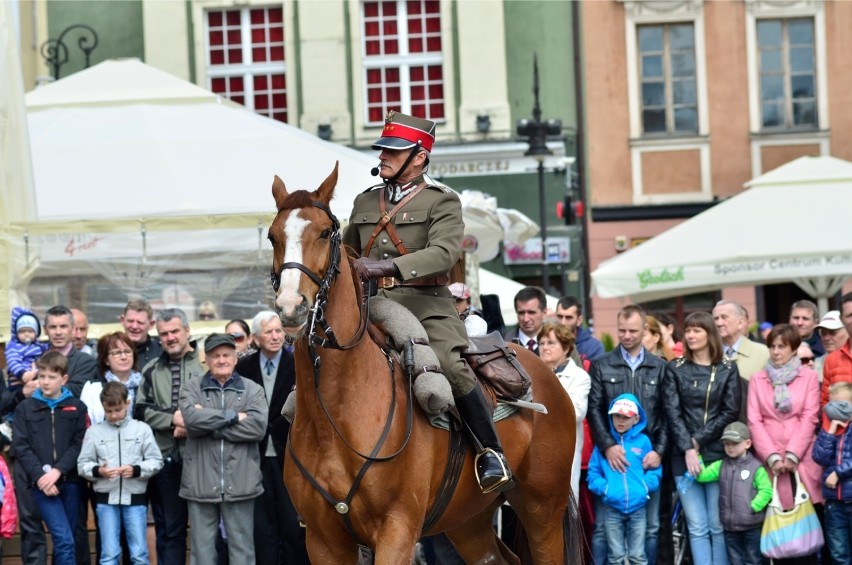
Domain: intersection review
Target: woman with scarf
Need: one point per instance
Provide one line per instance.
(783, 414)
(116, 362)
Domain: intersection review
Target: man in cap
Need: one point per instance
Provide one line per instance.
(833, 335)
(225, 417)
(472, 318)
(408, 234)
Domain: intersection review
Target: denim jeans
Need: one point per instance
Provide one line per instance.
(744, 547)
(838, 530)
(652, 530)
(134, 519)
(706, 535)
(625, 536)
(60, 515)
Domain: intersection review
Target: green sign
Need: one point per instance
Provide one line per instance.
(647, 278)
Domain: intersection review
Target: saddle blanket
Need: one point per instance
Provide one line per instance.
(501, 412)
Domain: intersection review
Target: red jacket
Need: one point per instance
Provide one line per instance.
(837, 368)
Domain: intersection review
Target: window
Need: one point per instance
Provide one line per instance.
(245, 58)
(403, 61)
(668, 84)
(787, 73)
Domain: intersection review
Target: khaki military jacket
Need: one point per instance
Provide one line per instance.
(430, 226)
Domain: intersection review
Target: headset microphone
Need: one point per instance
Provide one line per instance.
(374, 171)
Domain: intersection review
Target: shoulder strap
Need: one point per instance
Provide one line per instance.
(384, 221)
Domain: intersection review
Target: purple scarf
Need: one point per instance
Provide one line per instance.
(780, 377)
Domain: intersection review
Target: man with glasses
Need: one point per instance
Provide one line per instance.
(530, 305)
(157, 405)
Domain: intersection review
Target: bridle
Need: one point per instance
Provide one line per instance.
(317, 313)
(317, 319)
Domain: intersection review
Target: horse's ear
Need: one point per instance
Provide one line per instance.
(326, 189)
(279, 192)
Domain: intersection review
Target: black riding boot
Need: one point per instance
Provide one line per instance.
(492, 469)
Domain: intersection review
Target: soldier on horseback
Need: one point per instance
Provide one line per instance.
(408, 234)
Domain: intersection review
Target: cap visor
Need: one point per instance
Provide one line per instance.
(392, 143)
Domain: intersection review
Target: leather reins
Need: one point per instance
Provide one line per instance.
(317, 319)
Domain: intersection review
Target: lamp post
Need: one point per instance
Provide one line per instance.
(55, 51)
(536, 132)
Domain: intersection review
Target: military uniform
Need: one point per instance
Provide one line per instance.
(409, 236)
(431, 227)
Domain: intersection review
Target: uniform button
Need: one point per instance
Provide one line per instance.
(612, 380)
(411, 219)
(365, 219)
(385, 240)
(413, 273)
(435, 293)
(385, 256)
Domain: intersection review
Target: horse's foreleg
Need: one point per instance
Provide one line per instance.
(543, 525)
(323, 551)
(477, 542)
(394, 546)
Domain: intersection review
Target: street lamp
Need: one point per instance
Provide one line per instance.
(55, 51)
(536, 132)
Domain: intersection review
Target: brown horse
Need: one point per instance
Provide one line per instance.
(358, 469)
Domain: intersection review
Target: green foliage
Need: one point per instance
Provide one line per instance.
(608, 342)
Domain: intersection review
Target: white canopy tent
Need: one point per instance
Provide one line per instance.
(16, 179)
(791, 224)
(154, 186)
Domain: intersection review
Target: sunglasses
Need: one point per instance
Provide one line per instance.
(239, 338)
(806, 360)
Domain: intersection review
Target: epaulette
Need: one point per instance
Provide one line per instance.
(680, 361)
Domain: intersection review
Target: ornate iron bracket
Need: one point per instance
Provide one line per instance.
(55, 51)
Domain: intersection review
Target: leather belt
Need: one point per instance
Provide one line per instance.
(390, 282)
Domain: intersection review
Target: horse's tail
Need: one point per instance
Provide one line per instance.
(572, 532)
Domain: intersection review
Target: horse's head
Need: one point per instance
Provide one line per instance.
(305, 239)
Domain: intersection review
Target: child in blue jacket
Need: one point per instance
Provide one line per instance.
(833, 450)
(23, 349)
(625, 494)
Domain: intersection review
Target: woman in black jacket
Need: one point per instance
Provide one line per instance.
(707, 400)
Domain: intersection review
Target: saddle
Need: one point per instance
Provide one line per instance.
(497, 368)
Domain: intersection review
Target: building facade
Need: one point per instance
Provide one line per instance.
(688, 100)
(334, 68)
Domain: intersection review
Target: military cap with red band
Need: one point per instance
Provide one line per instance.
(404, 132)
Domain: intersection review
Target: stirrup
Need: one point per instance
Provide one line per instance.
(503, 483)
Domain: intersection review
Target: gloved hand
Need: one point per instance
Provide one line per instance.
(367, 268)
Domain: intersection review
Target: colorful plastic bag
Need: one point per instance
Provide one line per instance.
(790, 533)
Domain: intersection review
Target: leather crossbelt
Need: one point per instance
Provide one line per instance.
(385, 221)
(390, 282)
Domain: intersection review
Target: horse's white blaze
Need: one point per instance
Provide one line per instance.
(288, 294)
